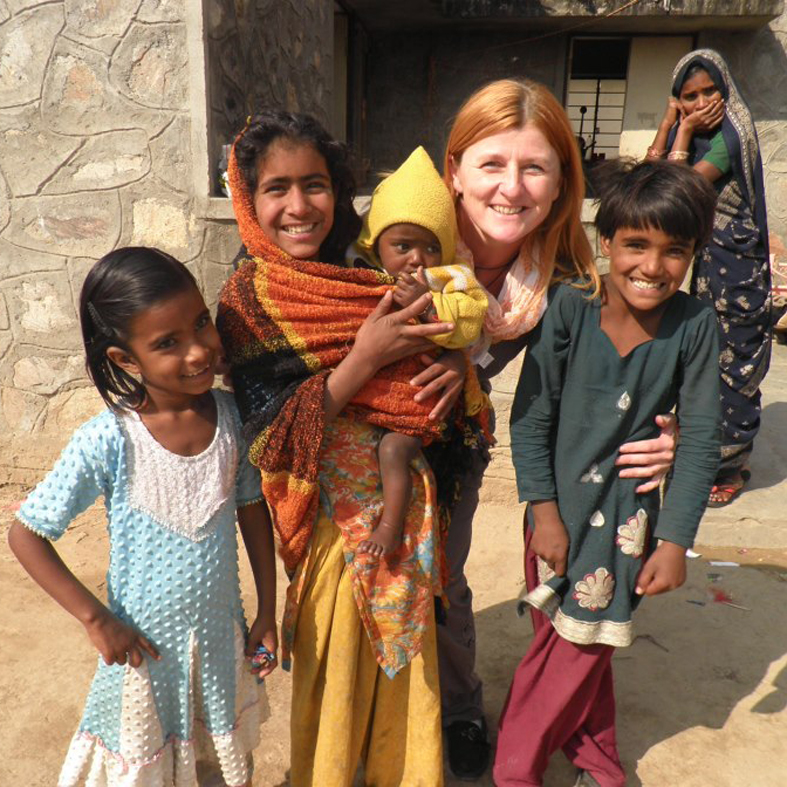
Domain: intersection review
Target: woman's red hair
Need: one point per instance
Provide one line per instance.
(511, 104)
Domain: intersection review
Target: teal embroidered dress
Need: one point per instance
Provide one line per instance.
(576, 403)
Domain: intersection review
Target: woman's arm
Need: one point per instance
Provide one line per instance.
(257, 531)
(651, 459)
(658, 148)
(384, 338)
(114, 640)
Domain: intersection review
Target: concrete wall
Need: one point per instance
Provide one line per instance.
(417, 82)
(103, 142)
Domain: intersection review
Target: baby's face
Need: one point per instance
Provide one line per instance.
(404, 248)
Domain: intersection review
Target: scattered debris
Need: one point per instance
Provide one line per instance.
(722, 597)
(694, 601)
(724, 563)
(650, 638)
(742, 551)
(714, 577)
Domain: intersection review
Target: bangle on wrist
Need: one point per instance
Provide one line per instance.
(678, 155)
(654, 152)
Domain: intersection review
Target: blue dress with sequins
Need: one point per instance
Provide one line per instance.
(173, 576)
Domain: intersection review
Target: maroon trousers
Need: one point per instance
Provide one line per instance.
(562, 697)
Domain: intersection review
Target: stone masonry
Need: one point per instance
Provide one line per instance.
(97, 102)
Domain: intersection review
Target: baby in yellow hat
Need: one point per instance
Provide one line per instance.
(410, 232)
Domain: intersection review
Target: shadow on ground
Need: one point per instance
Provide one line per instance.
(693, 662)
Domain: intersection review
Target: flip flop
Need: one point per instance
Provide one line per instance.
(726, 493)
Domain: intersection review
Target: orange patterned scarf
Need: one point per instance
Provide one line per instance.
(285, 324)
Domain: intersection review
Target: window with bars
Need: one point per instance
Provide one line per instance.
(596, 94)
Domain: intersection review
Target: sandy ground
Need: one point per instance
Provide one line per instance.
(702, 692)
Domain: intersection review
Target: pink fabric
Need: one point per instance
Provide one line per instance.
(522, 299)
(562, 697)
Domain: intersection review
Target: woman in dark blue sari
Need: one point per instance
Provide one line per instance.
(707, 125)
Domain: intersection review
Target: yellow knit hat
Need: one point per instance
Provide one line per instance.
(414, 194)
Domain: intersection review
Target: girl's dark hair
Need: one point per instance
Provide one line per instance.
(667, 196)
(119, 287)
(270, 125)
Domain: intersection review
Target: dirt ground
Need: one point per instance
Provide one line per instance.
(701, 693)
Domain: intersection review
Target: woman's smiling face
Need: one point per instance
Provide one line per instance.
(507, 183)
(294, 199)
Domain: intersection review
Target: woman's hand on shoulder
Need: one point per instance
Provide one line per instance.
(650, 459)
(117, 642)
(663, 571)
(443, 377)
(388, 336)
(263, 632)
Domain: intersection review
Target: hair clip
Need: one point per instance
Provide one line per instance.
(98, 320)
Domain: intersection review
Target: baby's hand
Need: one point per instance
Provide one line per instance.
(117, 642)
(409, 288)
(664, 570)
(550, 538)
(263, 633)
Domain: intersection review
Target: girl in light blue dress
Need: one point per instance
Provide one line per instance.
(176, 698)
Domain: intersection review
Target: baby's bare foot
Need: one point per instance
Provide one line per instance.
(385, 539)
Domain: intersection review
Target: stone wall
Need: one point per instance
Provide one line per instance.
(98, 102)
(267, 53)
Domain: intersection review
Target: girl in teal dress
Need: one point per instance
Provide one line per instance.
(174, 700)
(596, 374)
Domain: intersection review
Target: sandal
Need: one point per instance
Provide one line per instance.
(723, 494)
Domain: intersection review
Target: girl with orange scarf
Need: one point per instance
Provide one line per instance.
(320, 369)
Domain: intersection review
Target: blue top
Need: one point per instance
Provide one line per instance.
(173, 564)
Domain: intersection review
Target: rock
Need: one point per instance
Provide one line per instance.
(69, 409)
(166, 222)
(150, 66)
(97, 18)
(104, 162)
(23, 139)
(162, 11)
(213, 280)
(18, 261)
(5, 203)
(47, 374)
(25, 45)
(84, 225)
(42, 312)
(21, 410)
(171, 155)
(4, 321)
(78, 268)
(222, 242)
(77, 99)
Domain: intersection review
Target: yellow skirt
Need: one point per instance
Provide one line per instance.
(345, 710)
